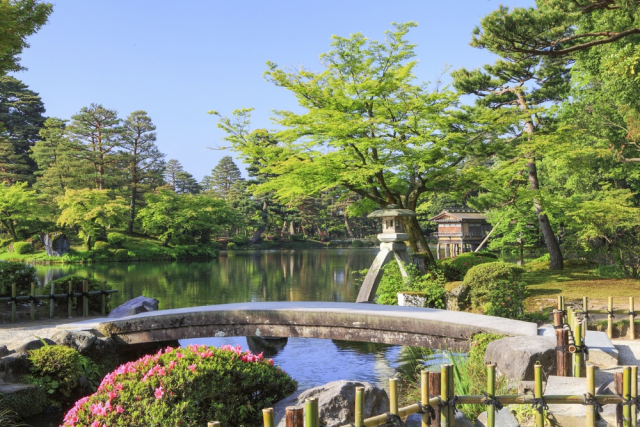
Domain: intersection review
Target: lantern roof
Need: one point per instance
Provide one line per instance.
(392, 210)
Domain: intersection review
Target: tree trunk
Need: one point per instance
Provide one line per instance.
(417, 240)
(346, 224)
(132, 208)
(88, 242)
(553, 246)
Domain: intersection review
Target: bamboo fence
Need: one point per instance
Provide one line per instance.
(69, 296)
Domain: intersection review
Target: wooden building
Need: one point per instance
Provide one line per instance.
(460, 230)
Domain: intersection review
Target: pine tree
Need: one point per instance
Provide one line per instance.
(223, 177)
(185, 183)
(172, 168)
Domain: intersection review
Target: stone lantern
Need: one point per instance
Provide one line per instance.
(392, 245)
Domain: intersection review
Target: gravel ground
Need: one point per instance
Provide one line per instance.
(14, 334)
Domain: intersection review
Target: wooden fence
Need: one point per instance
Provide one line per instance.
(69, 296)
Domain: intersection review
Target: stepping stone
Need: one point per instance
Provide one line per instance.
(573, 415)
(602, 352)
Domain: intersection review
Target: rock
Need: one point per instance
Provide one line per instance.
(515, 356)
(336, 401)
(55, 244)
(137, 305)
(26, 400)
(412, 299)
(607, 387)
(458, 298)
(78, 340)
(27, 346)
(13, 367)
(463, 421)
(504, 418)
(269, 346)
(3, 350)
(415, 420)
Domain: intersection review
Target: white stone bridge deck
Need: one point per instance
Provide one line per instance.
(423, 327)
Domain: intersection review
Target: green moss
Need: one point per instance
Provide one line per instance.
(26, 402)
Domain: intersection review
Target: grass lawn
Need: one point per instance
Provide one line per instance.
(577, 280)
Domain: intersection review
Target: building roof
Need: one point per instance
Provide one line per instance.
(459, 214)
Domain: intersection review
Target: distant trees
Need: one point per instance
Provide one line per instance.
(223, 178)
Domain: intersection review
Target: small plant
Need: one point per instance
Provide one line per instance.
(231, 246)
(482, 278)
(121, 255)
(8, 418)
(186, 387)
(506, 299)
(22, 247)
(431, 285)
(116, 240)
(357, 244)
(100, 246)
(16, 272)
(456, 268)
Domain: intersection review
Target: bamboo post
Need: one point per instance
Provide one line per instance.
(610, 318)
(617, 382)
(309, 420)
(316, 411)
(559, 303)
(591, 390)
(294, 416)
(52, 302)
(213, 424)
(634, 395)
(435, 387)
(626, 395)
(563, 307)
(444, 395)
(33, 301)
(632, 316)
(558, 318)
(85, 299)
(538, 392)
(585, 307)
(104, 297)
(70, 300)
(424, 395)
(359, 421)
(267, 417)
(577, 356)
(14, 316)
(393, 396)
(563, 358)
(491, 390)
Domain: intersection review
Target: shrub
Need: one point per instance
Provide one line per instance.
(116, 240)
(486, 254)
(57, 369)
(16, 272)
(231, 246)
(357, 244)
(297, 238)
(430, 285)
(506, 299)
(100, 246)
(240, 240)
(456, 268)
(22, 247)
(481, 278)
(185, 386)
(544, 258)
(62, 286)
(121, 255)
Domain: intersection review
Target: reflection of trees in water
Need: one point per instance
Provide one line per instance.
(361, 347)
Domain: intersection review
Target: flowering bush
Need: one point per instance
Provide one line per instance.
(506, 299)
(185, 387)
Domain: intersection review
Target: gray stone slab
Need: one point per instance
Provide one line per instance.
(573, 415)
(602, 352)
(504, 418)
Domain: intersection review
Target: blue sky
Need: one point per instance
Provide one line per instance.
(178, 60)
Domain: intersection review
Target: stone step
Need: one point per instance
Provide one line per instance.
(602, 352)
(24, 399)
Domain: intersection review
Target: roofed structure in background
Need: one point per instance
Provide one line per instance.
(460, 230)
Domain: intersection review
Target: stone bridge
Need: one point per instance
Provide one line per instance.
(422, 327)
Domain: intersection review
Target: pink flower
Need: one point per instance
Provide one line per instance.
(159, 392)
(172, 364)
(192, 367)
(119, 409)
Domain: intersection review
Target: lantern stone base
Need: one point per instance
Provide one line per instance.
(393, 237)
(388, 251)
(393, 246)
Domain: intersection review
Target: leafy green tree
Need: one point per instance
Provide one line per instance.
(145, 163)
(21, 118)
(91, 211)
(17, 204)
(223, 177)
(365, 126)
(18, 20)
(99, 132)
(187, 218)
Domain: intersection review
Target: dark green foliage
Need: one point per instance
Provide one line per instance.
(100, 246)
(506, 299)
(486, 254)
(223, 178)
(456, 268)
(431, 285)
(297, 238)
(25, 403)
(204, 251)
(121, 255)
(62, 286)
(357, 244)
(240, 240)
(16, 272)
(116, 240)
(22, 247)
(231, 246)
(57, 369)
(482, 278)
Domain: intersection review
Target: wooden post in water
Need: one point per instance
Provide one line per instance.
(445, 418)
(85, 299)
(491, 391)
(33, 301)
(591, 391)
(14, 316)
(435, 389)
(563, 359)
(626, 395)
(610, 318)
(267, 417)
(52, 301)
(577, 356)
(70, 300)
(393, 396)
(103, 287)
(359, 421)
(424, 395)
(537, 392)
(294, 416)
(634, 395)
(632, 316)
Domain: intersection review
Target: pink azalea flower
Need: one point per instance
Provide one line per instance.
(159, 392)
(192, 367)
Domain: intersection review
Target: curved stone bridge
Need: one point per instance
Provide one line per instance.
(423, 327)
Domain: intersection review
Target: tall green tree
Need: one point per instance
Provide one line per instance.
(171, 169)
(223, 177)
(21, 118)
(145, 163)
(17, 204)
(366, 125)
(18, 20)
(91, 211)
(185, 183)
(99, 132)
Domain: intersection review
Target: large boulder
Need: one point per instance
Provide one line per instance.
(458, 297)
(336, 402)
(80, 341)
(137, 305)
(515, 356)
(29, 345)
(55, 244)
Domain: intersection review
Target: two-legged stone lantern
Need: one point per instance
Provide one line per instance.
(392, 246)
